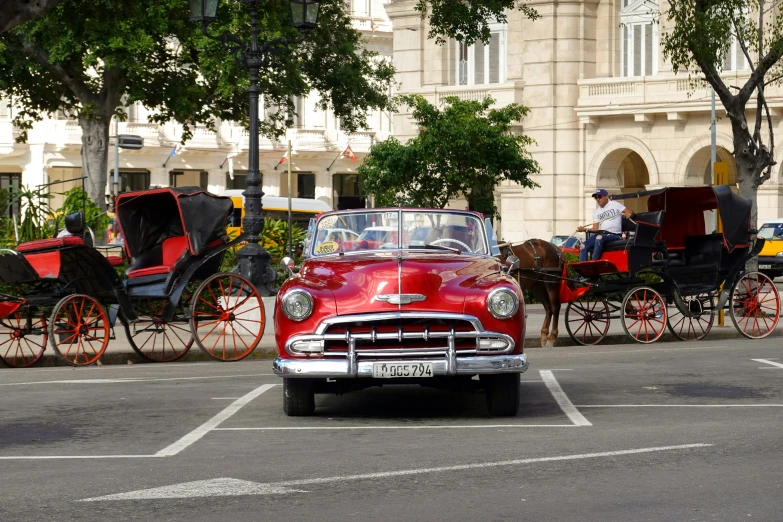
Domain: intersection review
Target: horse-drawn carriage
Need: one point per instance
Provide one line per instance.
(668, 271)
(64, 291)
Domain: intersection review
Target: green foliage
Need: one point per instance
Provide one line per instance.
(466, 149)
(468, 21)
(77, 201)
(90, 58)
(35, 213)
(5, 200)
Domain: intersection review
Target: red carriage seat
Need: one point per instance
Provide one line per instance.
(50, 244)
(172, 249)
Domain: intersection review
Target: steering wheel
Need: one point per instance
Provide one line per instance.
(450, 240)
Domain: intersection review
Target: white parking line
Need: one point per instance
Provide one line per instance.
(212, 423)
(423, 427)
(135, 379)
(767, 361)
(562, 399)
(679, 406)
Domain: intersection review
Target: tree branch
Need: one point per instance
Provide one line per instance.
(17, 12)
(73, 81)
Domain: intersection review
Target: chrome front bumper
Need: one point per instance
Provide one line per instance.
(450, 366)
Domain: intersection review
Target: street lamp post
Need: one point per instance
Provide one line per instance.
(252, 258)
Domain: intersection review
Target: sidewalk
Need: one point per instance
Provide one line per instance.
(120, 352)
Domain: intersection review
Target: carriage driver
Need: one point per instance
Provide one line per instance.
(603, 220)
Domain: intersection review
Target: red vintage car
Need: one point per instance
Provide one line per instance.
(436, 311)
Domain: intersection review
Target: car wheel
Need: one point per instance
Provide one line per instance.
(298, 397)
(502, 394)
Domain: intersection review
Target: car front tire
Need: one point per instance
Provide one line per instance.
(502, 394)
(298, 397)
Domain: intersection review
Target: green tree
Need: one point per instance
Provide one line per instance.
(696, 36)
(90, 58)
(16, 12)
(467, 149)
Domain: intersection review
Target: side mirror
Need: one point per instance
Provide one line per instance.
(512, 263)
(288, 264)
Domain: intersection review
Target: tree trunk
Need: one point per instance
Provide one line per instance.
(95, 145)
(748, 188)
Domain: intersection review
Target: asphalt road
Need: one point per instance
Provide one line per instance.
(673, 431)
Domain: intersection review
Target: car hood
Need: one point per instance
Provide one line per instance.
(370, 282)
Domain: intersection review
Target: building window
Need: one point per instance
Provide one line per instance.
(132, 181)
(239, 180)
(305, 185)
(189, 178)
(346, 192)
(11, 182)
(639, 38)
(735, 60)
(361, 7)
(481, 63)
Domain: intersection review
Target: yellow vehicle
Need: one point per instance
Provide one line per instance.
(771, 256)
(275, 207)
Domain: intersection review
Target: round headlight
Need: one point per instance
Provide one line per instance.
(779, 254)
(502, 303)
(297, 305)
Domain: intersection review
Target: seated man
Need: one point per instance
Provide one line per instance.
(608, 217)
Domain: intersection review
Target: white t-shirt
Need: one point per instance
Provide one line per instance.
(613, 225)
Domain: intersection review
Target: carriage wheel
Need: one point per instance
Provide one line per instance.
(22, 344)
(755, 305)
(227, 318)
(644, 315)
(156, 339)
(79, 330)
(587, 321)
(692, 328)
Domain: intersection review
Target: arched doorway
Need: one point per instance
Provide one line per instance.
(624, 170)
(698, 170)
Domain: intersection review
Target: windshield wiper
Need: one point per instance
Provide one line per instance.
(438, 247)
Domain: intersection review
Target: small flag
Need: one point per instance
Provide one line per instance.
(348, 153)
(175, 150)
(283, 159)
(231, 168)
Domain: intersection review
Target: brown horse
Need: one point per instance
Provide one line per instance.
(540, 264)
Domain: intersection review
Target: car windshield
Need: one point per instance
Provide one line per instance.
(571, 242)
(452, 231)
(771, 231)
(558, 240)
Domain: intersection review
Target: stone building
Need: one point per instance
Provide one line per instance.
(606, 109)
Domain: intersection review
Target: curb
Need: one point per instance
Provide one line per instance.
(51, 359)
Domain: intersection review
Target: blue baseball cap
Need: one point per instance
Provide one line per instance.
(601, 192)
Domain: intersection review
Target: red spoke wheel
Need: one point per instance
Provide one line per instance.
(22, 341)
(644, 315)
(755, 305)
(702, 307)
(79, 330)
(227, 317)
(154, 338)
(587, 321)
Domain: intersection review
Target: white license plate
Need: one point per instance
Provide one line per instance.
(765, 267)
(401, 370)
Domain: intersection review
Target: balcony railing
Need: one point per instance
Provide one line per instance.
(611, 94)
(502, 93)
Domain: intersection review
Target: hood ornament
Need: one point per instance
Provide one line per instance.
(400, 299)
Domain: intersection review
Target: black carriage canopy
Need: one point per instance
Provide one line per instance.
(149, 217)
(685, 208)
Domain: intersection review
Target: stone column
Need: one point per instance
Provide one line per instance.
(216, 181)
(34, 172)
(558, 50)
(323, 186)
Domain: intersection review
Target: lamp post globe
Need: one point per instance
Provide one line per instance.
(253, 259)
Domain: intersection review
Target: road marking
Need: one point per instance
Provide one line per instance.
(135, 379)
(224, 398)
(562, 399)
(219, 487)
(679, 406)
(191, 490)
(425, 427)
(77, 457)
(212, 423)
(767, 361)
